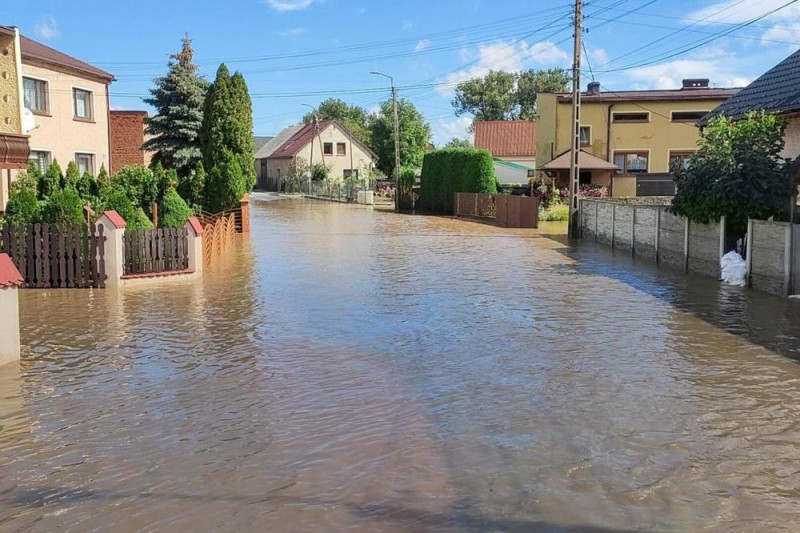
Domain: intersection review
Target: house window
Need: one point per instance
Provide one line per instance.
(35, 95)
(586, 135)
(679, 160)
(41, 158)
(631, 162)
(688, 116)
(341, 149)
(531, 173)
(348, 173)
(85, 163)
(631, 118)
(83, 104)
(327, 148)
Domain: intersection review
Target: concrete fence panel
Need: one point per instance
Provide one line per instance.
(672, 232)
(623, 227)
(644, 230)
(605, 222)
(768, 253)
(704, 248)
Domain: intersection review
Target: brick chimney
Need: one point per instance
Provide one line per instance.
(593, 88)
(695, 83)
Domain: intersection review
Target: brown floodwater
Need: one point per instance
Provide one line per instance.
(354, 370)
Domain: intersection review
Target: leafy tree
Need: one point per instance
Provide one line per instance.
(23, 207)
(353, 117)
(103, 181)
(455, 142)
(50, 181)
(28, 180)
(227, 133)
(415, 136)
(63, 206)
(191, 187)
(87, 187)
(118, 201)
(139, 220)
(738, 173)
(138, 184)
(165, 180)
(225, 184)
(173, 211)
(71, 177)
(503, 95)
(296, 175)
(319, 172)
(178, 99)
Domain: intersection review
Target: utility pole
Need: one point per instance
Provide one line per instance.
(574, 166)
(396, 142)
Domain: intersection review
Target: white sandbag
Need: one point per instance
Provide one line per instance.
(733, 269)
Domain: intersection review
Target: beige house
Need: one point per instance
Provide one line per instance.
(70, 105)
(333, 145)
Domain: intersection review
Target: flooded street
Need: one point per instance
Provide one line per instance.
(356, 370)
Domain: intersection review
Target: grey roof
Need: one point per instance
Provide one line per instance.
(276, 142)
(776, 91)
(260, 141)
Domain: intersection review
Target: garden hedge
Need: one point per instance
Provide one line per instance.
(451, 170)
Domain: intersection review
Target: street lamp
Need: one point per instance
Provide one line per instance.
(311, 161)
(396, 142)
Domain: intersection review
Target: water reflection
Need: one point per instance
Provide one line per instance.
(351, 370)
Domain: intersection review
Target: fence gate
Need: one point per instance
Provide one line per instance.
(155, 250)
(56, 255)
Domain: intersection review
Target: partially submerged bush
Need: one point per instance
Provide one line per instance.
(451, 170)
(173, 212)
(555, 213)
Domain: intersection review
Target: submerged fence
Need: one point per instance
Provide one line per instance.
(56, 255)
(156, 250)
(506, 210)
(218, 233)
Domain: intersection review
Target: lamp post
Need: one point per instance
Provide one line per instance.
(311, 159)
(396, 142)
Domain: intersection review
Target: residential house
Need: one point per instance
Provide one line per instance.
(777, 92)
(258, 143)
(14, 145)
(332, 143)
(512, 144)
(623, 133)
(127, 137)
(70, 103)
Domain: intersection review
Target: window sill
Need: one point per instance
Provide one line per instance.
(86, 120)
(41, 113)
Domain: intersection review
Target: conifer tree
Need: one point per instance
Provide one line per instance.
(178, 98)
(71, 177)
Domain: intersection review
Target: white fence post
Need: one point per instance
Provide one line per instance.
(113, 230)
(10, 280)
(195, 231)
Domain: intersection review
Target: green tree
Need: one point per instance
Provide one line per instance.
(225, 184)
(139, 185)
(28, 180)
(415, 136)
(87, 187)
(23, 207)
(71, 177)
(63, 206)
(178, 99)
(103, 181)
(503, 95)
(353, 117)
(191, 187)
(173, 211)
(50, 181)
(738, 173)
(455, 142)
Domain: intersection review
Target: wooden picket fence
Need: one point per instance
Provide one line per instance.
(156, 250)
(56, 255)
(218, 233)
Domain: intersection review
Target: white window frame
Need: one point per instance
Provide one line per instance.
(46, 94)
(93, 170)
(43, 151)
(75, 116)
(623, 171)
(589, 136)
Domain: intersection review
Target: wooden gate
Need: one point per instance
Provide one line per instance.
(56, 255)
(155, 250)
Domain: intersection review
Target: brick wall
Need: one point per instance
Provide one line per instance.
(127, 136)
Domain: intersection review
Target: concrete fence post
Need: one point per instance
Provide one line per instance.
(686, 246)
(113, 230)
(657, 236)
(721, 237)
(749, 250)
(10, 280)
(613, 223)
(195, 231)
(595, 220)
(244, 212)
(787, 259)
(633, 232)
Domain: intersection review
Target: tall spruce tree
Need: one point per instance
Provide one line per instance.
(178, 98)
(227, 135)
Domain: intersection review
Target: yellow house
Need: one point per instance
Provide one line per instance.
(638, 132)
(14, 147)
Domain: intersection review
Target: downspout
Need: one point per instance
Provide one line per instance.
(608, 146)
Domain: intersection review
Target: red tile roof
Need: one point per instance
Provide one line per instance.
(32, 50)
(9, 275)
(196, 226)
(294, 144)
(115, 219)
(506, 138)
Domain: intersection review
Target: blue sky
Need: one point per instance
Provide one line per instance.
(295, 52)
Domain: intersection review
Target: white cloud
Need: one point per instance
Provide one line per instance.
(597, 56)
(422, 45)
(785, 32)
(670, 75)
(290, 5)
(293, 32)
(501, 55)
(446, 129)
(47, 28)
(736, 11)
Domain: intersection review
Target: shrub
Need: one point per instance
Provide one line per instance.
(24, 181)
(319, 172)
(555, 213)
(173, 212)
(63, 206)
(118, 201)
(87, 187)
(138, 184)
(226, 183)
(23, 207)
(139, 220)
(71, 177)
(50, 181)
(191, 186)
(103, 181)
(451, 170)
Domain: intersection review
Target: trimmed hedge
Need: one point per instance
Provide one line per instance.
(451, 170)
(173, 212)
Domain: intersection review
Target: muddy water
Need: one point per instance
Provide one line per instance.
(351, 370)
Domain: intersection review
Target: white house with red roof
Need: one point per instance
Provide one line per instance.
(327, 142)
